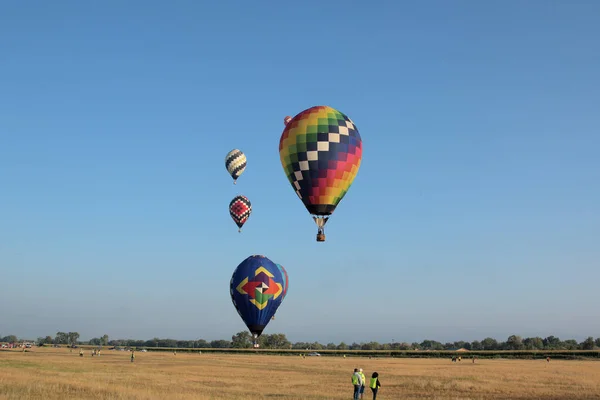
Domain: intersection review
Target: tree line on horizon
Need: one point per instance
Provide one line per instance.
(243, 340)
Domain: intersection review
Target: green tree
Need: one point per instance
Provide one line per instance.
(72, 338)
(535, 343)
(61, 338)
(241, 340)
(370, 346)
(476, 345)
(570, 344)
(316, 346)
(514, 342)
(220, 344)
(588, 344)
(104, 340)
(489, 344)
(9, 339)
(552, 343)
(431, 345)
(342, 346)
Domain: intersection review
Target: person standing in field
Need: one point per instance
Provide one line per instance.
(375, 384)
(357, 382)
(363, 383)
(132, 356)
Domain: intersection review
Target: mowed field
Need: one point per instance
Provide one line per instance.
(61, 374)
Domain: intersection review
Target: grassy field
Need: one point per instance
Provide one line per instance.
(60, 374)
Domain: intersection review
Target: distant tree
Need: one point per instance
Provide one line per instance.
(514, 342)
(597, 342)
(95, 341)
(277, 341)
(489, 344)
(570, 344)
(415, 346)
(386, 346)
(202, 344)
(448, 346)
(342, 346)
(316, 346)
(431, 345)
(220, 344)
(461, 344)
(104, 340)
(552, 343)
(331, 346)
(72, 338)
(535, 343)
(355, 346)
(402, 346)
(241, 340)
(476, 345)
(61, 338)
(370, 346)
(588, 344)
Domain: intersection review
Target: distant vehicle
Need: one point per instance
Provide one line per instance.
(143, 350)
(314, 354)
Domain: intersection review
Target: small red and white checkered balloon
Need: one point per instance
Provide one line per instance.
(240, 209)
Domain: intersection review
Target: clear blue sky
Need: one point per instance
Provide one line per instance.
(476, 211)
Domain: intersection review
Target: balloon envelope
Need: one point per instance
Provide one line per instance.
(240, 209)
(256, 290)
(320, 151)
(287, 119)
(235, 162)
(285, 278)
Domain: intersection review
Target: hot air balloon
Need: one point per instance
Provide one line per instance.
(235, 162)
(285, 282)
(320, 151)
(256, 290)
(240, 209)
(285, 278)
(287, 119)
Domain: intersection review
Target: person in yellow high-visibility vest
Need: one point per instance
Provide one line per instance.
(375, 384)
(364, 382)
(357, 382)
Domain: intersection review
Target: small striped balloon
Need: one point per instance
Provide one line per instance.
(235, 162)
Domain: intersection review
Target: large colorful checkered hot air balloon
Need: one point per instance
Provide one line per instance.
(235, 162)
(321, 152)
(257, 290)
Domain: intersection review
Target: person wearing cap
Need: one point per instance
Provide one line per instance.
(357, 382)
(363, 381)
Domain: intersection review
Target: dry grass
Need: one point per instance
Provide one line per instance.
(59, 374)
